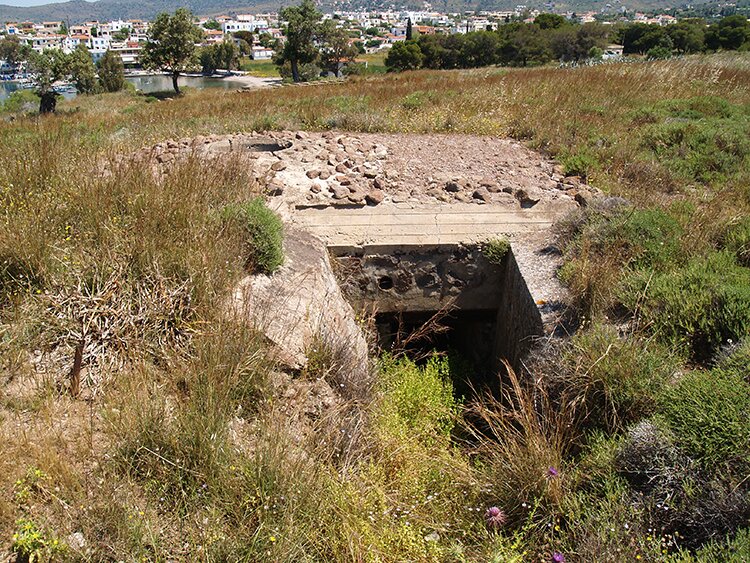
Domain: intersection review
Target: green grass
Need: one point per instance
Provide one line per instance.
(262, 69)
(375, 62)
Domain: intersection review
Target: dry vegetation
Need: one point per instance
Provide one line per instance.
(177, 439)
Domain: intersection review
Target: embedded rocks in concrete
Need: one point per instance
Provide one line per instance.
(301, 307)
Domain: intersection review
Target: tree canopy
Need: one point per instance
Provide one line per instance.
(172, 44)
(302, 29)
(111, 72)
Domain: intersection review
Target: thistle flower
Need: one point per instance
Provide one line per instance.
(495, 517)
(552, 472)
(558, 557)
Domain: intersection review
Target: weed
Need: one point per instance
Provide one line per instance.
(32, 545)
(265, 232)
(495, 250)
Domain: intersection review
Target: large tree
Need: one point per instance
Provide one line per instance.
(48, 67)
(404, 55)
(82, 70)
(111, 72)
(172, 44)
(337, 50)
(13, 51)
(302, 29)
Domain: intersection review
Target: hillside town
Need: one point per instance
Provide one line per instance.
(368, 31)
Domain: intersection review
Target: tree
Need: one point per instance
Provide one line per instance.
(409, 30)
(212, 24)
(172, 44)
(336, 47)
(688, 36)
(226, 55)
(207, 58)
(550, 21)
(244, 35)
(13, 51)
(301, 31)
(82, 70)
(48, 67)
(111, 72)
(404, 55)
(730, 33)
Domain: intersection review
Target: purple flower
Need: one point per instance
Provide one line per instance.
(558, 557)
(552, 473)
(495, 517)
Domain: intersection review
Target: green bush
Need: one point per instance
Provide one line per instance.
(709, 416)
(651, 235)
(417, 400)
(735, 358)
(579, 164)
(266, 234)
(496, 249)
(21, 100)
(697, 307)
(737, 240)
(614, 381)
(705, 150)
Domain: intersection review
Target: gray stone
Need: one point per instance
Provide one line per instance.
(312, 174)
(278, 166)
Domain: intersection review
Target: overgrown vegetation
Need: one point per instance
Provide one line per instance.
(627, 441)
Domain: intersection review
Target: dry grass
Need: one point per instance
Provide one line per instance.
(178, 448)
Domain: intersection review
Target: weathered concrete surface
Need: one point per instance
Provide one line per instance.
(301, 308)
(416, 278)
(363, 192)
(425, 223)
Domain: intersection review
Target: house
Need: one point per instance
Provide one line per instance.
(51, 27)
(129, 51)
(613, 52)
(260, 53)
(253, 26)
(213, 36)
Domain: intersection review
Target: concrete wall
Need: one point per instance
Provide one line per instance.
(518, 317)
(420, 278)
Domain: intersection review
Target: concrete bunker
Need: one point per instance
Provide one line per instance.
(444, 297)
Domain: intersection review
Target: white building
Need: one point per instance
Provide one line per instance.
(252, 26)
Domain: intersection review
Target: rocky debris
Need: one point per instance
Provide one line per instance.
(321, 168)
(482, 194)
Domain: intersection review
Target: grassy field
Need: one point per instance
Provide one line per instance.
(628, 441)
(375, 62)
(262, 69)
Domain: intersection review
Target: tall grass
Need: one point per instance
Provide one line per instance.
(185, 443)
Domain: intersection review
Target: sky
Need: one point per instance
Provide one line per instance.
(26, 3)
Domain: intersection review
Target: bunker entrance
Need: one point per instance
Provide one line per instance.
(444, 298)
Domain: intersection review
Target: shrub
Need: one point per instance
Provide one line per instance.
(417, 400)
(709, 415)
(21, 101)
(266, 233)
(697, 307)
(495, 250)
(734, 358)
(706, 150)
(612, 381)
(679, 499)
(579, 164)
(737, 240)
(31, 545)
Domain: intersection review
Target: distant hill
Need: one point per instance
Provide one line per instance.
(77, 11)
